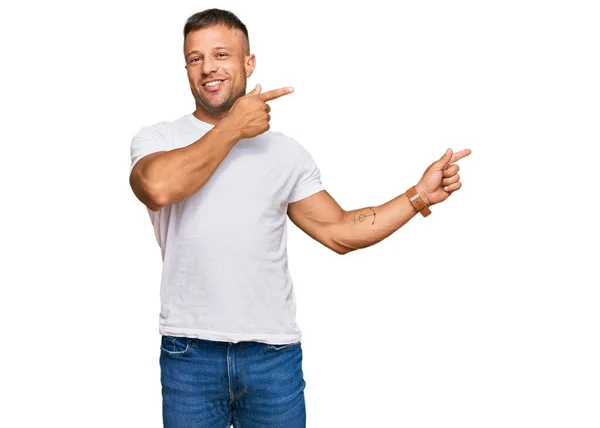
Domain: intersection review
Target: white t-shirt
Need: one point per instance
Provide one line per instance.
(225, 273)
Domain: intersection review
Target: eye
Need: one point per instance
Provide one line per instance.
(222, 55)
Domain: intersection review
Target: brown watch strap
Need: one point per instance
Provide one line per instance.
(417, 202)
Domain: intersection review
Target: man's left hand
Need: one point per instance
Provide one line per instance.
(441, 178)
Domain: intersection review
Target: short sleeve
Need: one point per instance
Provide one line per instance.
(151, 139)
(309, 181)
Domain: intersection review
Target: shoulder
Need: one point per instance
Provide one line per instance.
(279, 136)
(296, 149)
(160, 129)
(288, 144)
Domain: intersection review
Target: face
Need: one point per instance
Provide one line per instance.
(217, 53)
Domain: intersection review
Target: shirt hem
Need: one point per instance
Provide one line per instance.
(271, 339)
(305, 192)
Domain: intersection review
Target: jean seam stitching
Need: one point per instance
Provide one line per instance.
(187, 346)
(243, 371)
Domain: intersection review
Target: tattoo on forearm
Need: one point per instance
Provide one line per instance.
(362, 217)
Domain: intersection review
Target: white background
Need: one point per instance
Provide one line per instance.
(484, 314)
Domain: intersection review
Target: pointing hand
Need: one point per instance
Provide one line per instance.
(250, 113)
(441, 178)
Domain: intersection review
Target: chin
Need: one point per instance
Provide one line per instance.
(214, 107)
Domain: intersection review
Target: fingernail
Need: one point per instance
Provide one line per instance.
(290, 89)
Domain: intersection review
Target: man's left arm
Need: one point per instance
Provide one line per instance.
(322, 218)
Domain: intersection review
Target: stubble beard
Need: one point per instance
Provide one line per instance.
(224, 106)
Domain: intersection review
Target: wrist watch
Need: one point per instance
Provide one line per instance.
(417, 202)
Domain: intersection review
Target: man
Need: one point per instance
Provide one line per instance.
(218, 185)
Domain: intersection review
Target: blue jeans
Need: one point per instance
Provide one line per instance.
(211, 384)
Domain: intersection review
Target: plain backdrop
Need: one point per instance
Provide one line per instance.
(484, 314)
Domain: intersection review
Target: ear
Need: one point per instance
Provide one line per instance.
(249, 64)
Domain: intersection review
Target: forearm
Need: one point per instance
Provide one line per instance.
(367, 226)
(179, 173)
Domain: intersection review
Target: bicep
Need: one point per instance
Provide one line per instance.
(318, 216)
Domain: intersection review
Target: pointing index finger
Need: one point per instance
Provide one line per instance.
(276, 93)
(459, 155)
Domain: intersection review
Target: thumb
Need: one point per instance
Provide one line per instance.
(256, 90)
(444, 160)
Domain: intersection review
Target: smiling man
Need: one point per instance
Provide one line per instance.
(218, 186)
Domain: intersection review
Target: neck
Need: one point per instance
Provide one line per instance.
(209, 117)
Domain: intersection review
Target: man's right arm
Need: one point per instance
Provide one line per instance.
(168, 177)
(164, 178)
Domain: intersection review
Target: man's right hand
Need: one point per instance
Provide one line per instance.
(250, 113)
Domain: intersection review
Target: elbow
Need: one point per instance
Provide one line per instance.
(154, 200)
(153, 206)
(146, 194)
(157, 201)
(337, 237)
(339, 248)
(343, 251)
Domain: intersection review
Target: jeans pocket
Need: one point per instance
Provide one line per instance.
(277, 348)
(174, 345)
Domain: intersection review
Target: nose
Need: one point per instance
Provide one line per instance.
(209, 65)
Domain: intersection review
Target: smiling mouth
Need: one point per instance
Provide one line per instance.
(212, 83)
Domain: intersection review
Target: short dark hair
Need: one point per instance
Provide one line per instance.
(209, 17)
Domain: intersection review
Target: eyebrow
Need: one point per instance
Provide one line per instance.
(214, 49)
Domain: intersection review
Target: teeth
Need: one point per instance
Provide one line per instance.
(213, 83)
